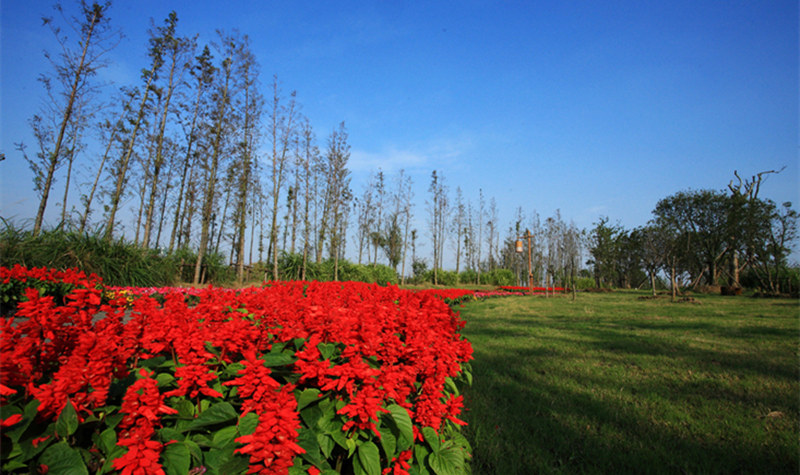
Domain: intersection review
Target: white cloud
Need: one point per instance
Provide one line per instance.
(389, 161)
(438, 155)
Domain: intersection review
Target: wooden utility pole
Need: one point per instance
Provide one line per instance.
(527, 236)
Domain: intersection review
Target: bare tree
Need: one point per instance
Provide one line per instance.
(437, 207)
(337, 195)
(223, 90)
(77, 126)
(478, 238)
(74, 69)
(365, 216)
(492, 237)
(175, 49)
(309, 160)
(407, 194)
(120, 173)
(282, 130)
(202, 71)
(246, 146)
(459, 225)
(377, 217)
(113, 131)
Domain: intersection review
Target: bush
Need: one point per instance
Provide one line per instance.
(583, 283)
(214, 267)
(419, 267)
(117, 262)
(498, 277)
(468, 276)
(446, 277)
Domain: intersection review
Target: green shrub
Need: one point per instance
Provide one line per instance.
(118, 262)
(468, 276)
(447, 278)
(582, 283)
(499, 277)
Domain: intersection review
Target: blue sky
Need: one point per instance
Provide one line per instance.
(592, 108)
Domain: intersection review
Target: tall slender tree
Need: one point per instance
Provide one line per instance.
(377, 217)
(459, 225)
(175, 49)
(407, 192)
(337, 195)
(365, 216)
(71, 84)
(437, 207)
(492, 237)
(282, 131)
(202, 72)
(252, 107)
(309, 161)
(223, 88)
(120, 172)
(110, 132)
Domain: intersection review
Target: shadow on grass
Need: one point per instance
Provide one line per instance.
(653, 404)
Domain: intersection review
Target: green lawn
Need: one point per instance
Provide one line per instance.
(612, 383)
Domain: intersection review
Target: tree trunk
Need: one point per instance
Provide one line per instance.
(66, 186)
(653, 282)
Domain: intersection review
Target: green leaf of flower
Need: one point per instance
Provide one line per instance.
(388, 442)
(63, 459)
(248, 423)
(215, 414)
(405, 436)
(369, 457)
(106, 441)
(432, 438)
(177, 459)
(67, 422)
(307, 397)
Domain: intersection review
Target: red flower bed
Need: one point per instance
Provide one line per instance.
(316, 376)
(448, 295)
(497, 293)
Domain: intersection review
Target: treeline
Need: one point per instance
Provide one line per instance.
(185, 145)
(207, 165)
(731, 238)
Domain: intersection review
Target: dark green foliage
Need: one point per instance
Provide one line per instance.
(117, 262)
(469, 276)
(290, 267)
(787, 280)
(498, 277)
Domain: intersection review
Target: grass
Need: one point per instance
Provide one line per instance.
(612, 383)
(118, 262)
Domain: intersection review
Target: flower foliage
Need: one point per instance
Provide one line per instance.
(450, 296)
(292, 377)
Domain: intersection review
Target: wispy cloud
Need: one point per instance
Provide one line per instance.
(390, 160)
(441, 154)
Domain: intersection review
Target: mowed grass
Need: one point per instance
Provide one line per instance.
(611, 383)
